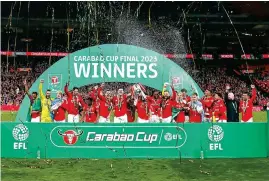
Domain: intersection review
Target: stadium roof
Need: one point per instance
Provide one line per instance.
(208, 27)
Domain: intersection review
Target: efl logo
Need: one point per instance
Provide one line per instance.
(20, 133)
(70, 137)
(215, 134)
(180, 137)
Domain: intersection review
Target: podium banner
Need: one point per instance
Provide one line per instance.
(83, 140)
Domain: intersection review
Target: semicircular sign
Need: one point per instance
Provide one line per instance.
(111, 63)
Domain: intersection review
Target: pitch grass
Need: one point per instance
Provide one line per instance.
(135, 170)
(11, 116)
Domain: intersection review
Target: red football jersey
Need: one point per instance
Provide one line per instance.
(73, 102)
(166, 108)
(207, 105)
(247, 106)
(91, 113)
(195, 116)
(155, 105)
(59, 114)
(142, 108)
(180, 118)
(120, 105)
(105, 107)
(219, 109)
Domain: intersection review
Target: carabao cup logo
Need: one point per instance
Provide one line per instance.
(54, 80)
(20, 132)
(215, 133)
(70, 137)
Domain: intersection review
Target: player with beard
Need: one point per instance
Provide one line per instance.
(74, 102)
(45, 103)
(90, 112)
(246, 105)
(106, 105)
(207, 102)
(35, 105)
(219, 109)
(155, 109)
(120, 107)
(195, 109)
(167, 104)
(142, 109)
(58, 107)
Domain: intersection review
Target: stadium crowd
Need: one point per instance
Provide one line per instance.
(214, 79)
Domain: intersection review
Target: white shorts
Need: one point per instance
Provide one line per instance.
(35, 120)
(73, 118)
(249, 121)
(63, 121)
(222, 121)
(104, 120)
(187, 119)
(167, 120)
(121, 119)
(139, 120)
(154, 119)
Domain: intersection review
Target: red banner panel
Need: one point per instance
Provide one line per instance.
(226, 56)
(265, 55)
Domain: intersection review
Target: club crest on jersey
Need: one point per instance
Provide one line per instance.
(70, 137)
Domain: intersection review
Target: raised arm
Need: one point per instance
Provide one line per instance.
(93, 92)
(253, 93)
(66, 90)
(26, 89)
(174, 94)
(81, 101)
(100, 94)
(40, 89)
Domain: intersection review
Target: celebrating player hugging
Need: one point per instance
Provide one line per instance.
(101, 105)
